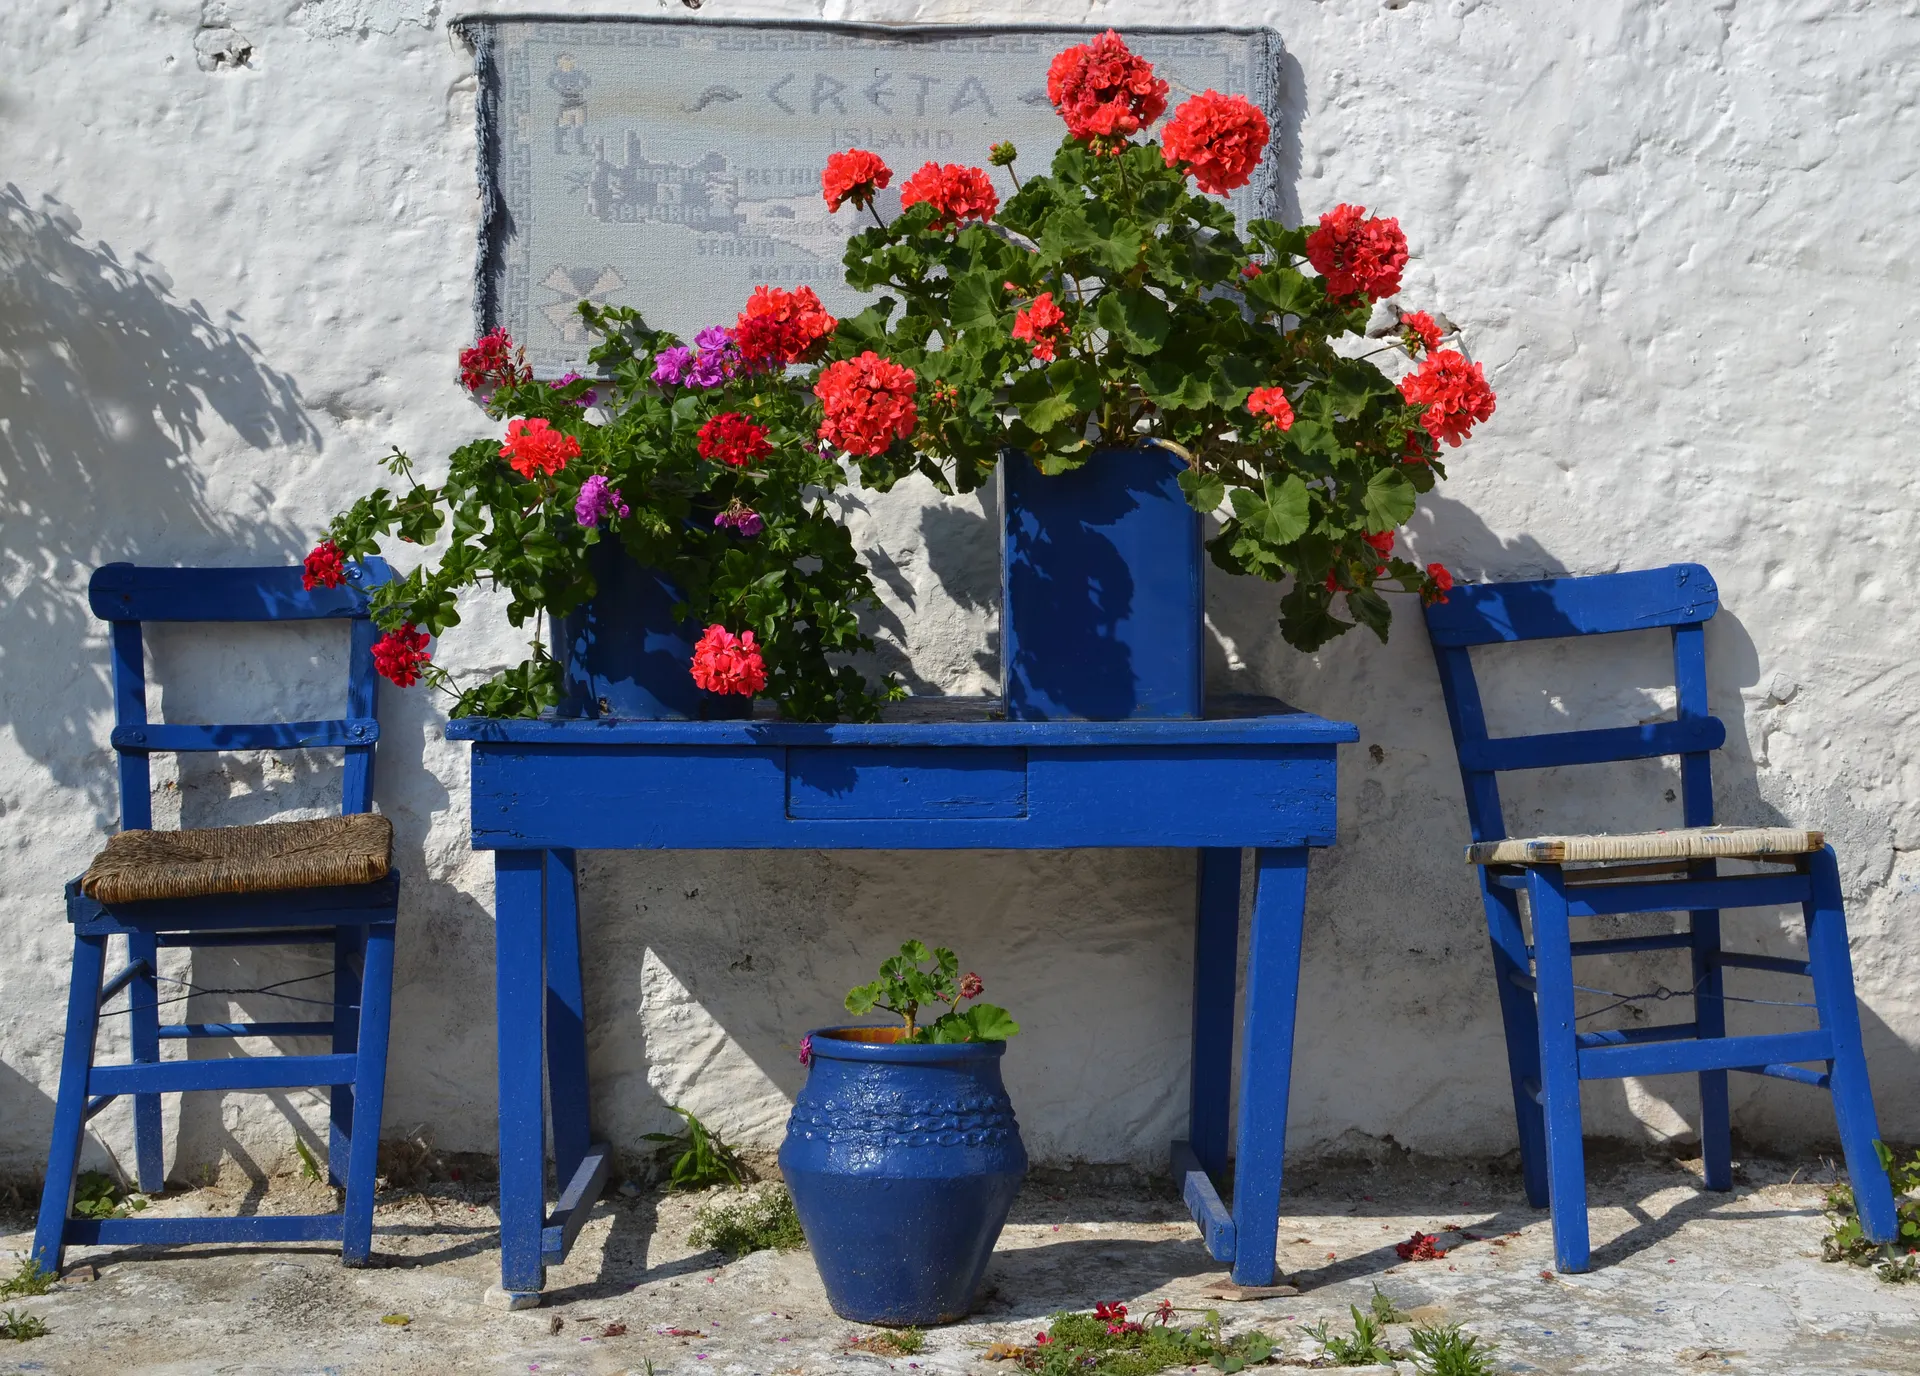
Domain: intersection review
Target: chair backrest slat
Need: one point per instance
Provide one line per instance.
(127, 595)
(129, 592)
(1550, 608)
(1681, 596)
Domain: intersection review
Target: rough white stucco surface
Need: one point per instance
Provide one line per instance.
(234, 268)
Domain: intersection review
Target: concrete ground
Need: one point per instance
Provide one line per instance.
(1683, 1282)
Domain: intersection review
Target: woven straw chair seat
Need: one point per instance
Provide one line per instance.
(141, 865)
(1686, 843)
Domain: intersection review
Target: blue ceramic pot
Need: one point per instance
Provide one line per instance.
(1103, 592)
(623, 654)
(902, 1162)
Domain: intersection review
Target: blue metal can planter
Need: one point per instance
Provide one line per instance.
(903, 1161)
(1103, 594)
(623, 654)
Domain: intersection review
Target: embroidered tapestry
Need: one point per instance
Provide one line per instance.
(674, 165)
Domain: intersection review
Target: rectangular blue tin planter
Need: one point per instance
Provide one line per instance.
(623, 654)
(1103, 594)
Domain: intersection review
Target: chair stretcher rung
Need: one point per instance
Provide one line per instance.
(120, 981)
(181, 1030)
(1739, 960)
(1621, 945)
(1799, 1075)
(1638, 1036)
(238, 1072)
(281, 936)
(1712, 1053)
(96, 1104)
(123, 1232)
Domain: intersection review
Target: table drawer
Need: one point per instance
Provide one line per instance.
(850, 783)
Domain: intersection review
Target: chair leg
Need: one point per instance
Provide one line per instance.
(143, 1015)
(1832, 970)
(1559, 1066)
(1710, 1022)
(70, 1109)
(349, 944)
(370, 1086)
(1522, 1022)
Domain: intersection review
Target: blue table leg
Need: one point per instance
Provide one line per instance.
(1266, 1058)
(1216, 960)
(519, 942)
(566, 1018)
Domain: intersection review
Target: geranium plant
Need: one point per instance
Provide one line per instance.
(906, 990)
(1114, 301)
(703, 460)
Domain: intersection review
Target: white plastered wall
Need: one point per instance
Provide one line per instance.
(235, 266)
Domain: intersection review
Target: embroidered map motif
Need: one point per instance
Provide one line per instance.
(673, 166)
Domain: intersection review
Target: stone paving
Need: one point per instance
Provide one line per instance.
(1683, 1282)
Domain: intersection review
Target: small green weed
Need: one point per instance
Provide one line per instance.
(1383, 1309)
(703, 1160)
(28, 1280)
(21, 1326)
(1104, 1343)
(309, 1164)
(1845, 1241)
(749, 1221)
(98, 1195)
(1363, 1348)
(898, 1342)
(1446, 1351)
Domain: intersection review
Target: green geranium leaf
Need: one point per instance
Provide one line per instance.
(1137, 319)
(991, 1024)
(1067, 388)
(972, 302)
(1205, 491)
(1389, 500)
(1286, 515)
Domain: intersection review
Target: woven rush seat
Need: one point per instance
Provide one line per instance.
(1684, 843)
(141, 865)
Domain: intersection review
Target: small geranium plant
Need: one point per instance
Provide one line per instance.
(1114, 301)
(906, 990)
(704, 460)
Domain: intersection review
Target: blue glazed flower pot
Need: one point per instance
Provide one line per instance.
(903, 1161)
(1103, 595)
(623, 654)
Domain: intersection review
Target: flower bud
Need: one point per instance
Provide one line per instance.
(1001, 155)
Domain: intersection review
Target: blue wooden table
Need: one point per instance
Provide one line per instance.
(941, 774)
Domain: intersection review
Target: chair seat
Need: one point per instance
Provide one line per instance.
(1685, 843)
(141, 865)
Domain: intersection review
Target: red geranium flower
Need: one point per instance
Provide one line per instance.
(1358, 256)
(1442, 584)
(1103, 91)
(1251, 271)
(868, 403)
(734, 439)
(855, 175)
(971, 986)
(493, 361)
(780, 327)
(398, 655)
(1454, 391)
(727, 663)
(533, 446)
(324, 567)
(1219, 138)
(1381, 541)
(956, 193)
(1420, 1247)
(1043, 325)
(1270, 404)
(1422, 327)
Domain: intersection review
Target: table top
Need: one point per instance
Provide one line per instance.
(1235, 719)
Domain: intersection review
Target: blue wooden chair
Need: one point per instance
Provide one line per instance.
(323, 882)
(1566, 877)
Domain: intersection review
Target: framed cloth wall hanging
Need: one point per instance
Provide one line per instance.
(674, 165)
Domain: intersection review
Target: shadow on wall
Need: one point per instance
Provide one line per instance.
(106, 383)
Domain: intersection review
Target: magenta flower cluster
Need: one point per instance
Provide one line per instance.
(746, 522)
(585, 399)
(712, 360)
(597, 501)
